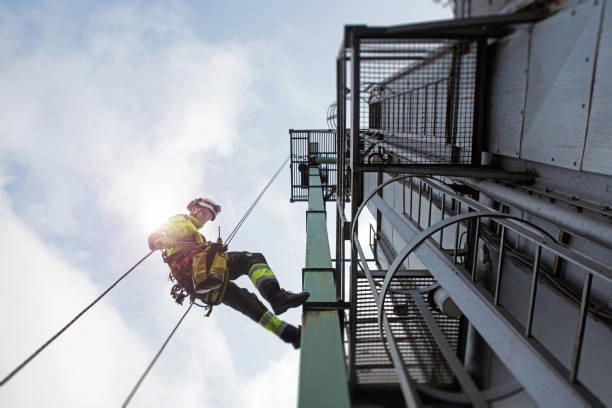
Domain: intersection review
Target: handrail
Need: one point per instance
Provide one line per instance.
(474, 210)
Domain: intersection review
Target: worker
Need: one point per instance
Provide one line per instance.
(184, 248)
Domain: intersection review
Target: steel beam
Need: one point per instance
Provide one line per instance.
(323, 380)
(445, 170)
(539, 375)
(566, 218)
(467, 384)
(356, 185)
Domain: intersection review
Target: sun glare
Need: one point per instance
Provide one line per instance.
(155, 214)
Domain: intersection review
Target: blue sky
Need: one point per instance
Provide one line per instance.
(113, 115)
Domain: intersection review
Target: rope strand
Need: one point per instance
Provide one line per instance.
(56, 335)
(146, 372)
(248, 212)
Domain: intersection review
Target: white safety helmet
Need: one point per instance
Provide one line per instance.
(204, 203)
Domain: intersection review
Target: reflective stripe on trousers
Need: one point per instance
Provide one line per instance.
(272, 323)
(260, 273)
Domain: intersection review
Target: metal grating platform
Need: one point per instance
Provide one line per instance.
(301, 154)
(417, 100)
(423, 360)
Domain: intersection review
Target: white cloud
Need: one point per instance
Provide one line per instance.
(275, 386)
(40, 293)
(130, 110)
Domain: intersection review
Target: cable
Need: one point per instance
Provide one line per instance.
(246, 214)
(146, 372)
(56, 335)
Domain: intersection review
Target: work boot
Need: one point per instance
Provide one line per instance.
(284, 300)
(292, 335)
(212, 282)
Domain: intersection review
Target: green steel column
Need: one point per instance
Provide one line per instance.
(323, 381)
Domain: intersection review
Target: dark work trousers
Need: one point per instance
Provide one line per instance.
(244, 301)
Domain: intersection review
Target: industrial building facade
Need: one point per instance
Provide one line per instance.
(481, 146)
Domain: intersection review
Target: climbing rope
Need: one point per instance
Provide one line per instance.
(248, 212)
(81, 313)
(146, 372)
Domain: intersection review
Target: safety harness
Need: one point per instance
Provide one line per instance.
(193, 265)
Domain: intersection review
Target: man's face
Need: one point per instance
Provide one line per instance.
(203, 214)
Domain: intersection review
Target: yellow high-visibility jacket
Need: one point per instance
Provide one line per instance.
(178, 235)
(181, 232)
(178, 232)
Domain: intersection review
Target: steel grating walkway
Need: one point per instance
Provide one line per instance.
(423, 360)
